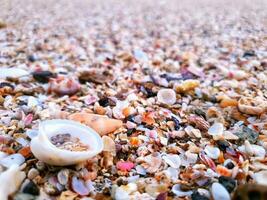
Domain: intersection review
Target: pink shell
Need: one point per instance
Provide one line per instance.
(125, 165)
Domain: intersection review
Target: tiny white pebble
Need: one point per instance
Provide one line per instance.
(33, 173)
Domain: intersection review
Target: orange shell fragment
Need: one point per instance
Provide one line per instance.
(100, 123)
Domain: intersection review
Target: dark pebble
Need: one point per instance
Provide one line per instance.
(42, 76)
(197, 196)
(176, 123)
(32, 58)
(230, 165)
(130, 118)
(130, 131)
(31, 188)
(6, 84)
(222, 144)
(200, 112)
(228, 182)
(104, 102)
(249, 54)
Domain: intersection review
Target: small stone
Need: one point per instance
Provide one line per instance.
(219, 192)
(40, 165)
(22, 196)
(33, 173)
(31, 188)
(223, 145)
(245, 133)
(32, 58)
(228, 182)
(42, 76)
(197, 196)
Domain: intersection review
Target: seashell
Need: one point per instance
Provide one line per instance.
(261, 177)
(12, 178)
(212, 152)
(216, 129)
(172, 160)
(140, 170)
(176, 189)
(252, 106)
(100, 123)
(12, 73)
(64, 86)
(219, 192)
(14, 159)
(228, 102)
(79, 186)
(123, 191)
(124, 166)
(207, 161)
(152, 163)
(199, 122)
(172, 173)
(186, 86)
(227, 135)
(63, 176)
(223, 171)
(43, 148)
(109, 145)
(252, 149)
(166, 96)
(155, 189)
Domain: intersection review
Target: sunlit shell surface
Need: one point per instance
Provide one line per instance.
(44, 150)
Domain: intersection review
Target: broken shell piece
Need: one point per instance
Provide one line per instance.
(261, 177)
(124, 191)
(216, 129)
(166, 96)
(12, 179)
(212, 152)
(219, 192)
(176, 189)
(252, 149)
(109, 145)
(252, 106)
(16, 159)
(43, 148)
(100, 123)
(172, 160)
(186, 86)
(13, 73)
(64, 86)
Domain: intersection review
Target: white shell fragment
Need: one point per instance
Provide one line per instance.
(176, 189)
(212, 152)
(14, 159)
(44, 150)
(166, 96)
(11, 179)
(173, 160)
(12, 73)
(216, 129)
(261, 177)
(219, 192)
(252, 149)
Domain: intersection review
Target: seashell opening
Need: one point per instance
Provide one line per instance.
(43, 148)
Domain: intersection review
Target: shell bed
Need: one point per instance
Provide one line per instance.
(176, 91)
